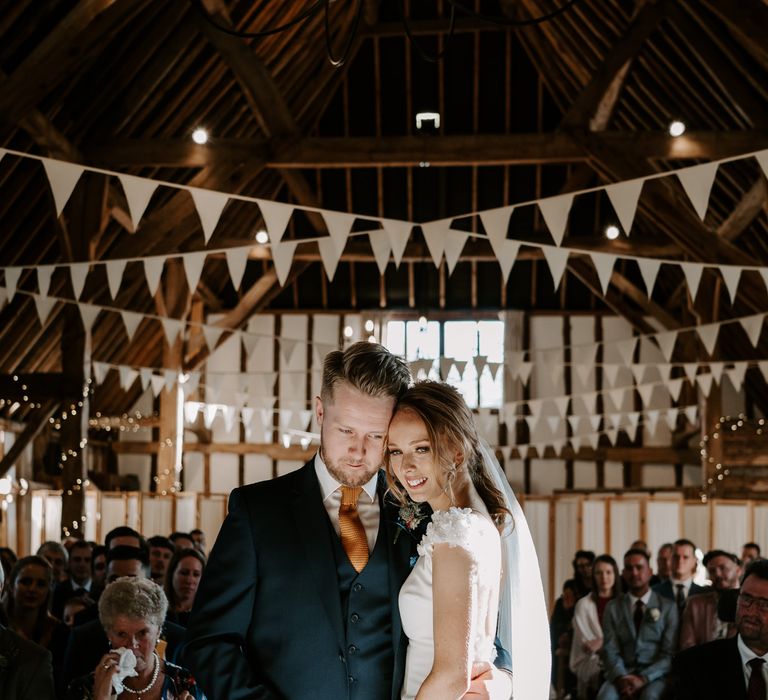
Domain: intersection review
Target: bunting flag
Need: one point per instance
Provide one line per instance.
(708, 334)
(12, 275)
(153, 270)
(761, 157)
(557, 259)
(398, 232)
(330, 254)
(191, 409)
(454, 244)
(666, 342)
(435, 233)
(736, 374)
(697, 182)
(507, 255)
(282, 257)
(209, 204)
(146, 377)
(276, 216)
(731, 276)
(44, 306)
(753, 326)
(78, 273)
(339, 225)
(131, 322)
(381, 249)
(649, 269)
(690, 414)
(171, 327)
(193, 268)
(624, 197)
(237, 259)
(62, 177)
(100, 372)
(603, 263)
(212, 335)
(674, 386)
(115, 269)
(651, 420)
(127, 377)
(705, 383)
(158, 384)
(626, 350)
(138, 192)
(88, 312)
(496, 224)
(610, 374)
(555, 212)
(44, 273)
(716, 370)
(692, 272)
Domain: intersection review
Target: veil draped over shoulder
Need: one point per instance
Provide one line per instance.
(523, 627)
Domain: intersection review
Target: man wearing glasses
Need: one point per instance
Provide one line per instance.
(732, 668)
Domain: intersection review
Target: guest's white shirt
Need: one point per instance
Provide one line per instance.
(85, 586)
(746, 656)
(367, 505)
(645, 599)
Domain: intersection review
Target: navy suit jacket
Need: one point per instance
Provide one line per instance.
(666, 590)
(710, 671)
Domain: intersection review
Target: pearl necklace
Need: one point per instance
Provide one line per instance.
(155, 674)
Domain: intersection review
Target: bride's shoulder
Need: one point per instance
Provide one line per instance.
(458, 527)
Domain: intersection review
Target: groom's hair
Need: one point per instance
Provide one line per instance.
(368, 367)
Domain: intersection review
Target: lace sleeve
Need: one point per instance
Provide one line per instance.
(453, 527)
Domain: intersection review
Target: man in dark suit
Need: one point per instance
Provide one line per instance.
(300, 595)
(732, 668)
(79, 581)
(680, 586)
(640, 629)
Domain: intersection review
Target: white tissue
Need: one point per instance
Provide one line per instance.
(126, 668)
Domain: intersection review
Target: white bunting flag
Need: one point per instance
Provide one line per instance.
(171, 327)
(664, 370)
(145, 373)
(753, 326)
(249, 341)
(228, 412)
(624, 197)
(191, 409)
(671, 417)
(582, 372)
(88, 312)
(454, 244)
(557, 259)
(651, 420)
(561, 402)
(398, 232)
(100, 370)
(594, 421)
(330, 254)
(496, 224)
(533, 422)
(588, 401)
(731, 276)
(692, 272)
(12, 275)
(616, 396)
(339, 225)
(435, 233)
(127, 377)
(697, 182)
(44, 306)
(761, 156)
(666, 342)
(690, 369)
(626, 349)
(158, 384)
(276, 216)
(246, 415)
(522, 451)
(603, 263)
(282, 257)
(575, 443)
(237, 259)
(131, 322)
(610, 373)
(212, 335)
(763, 367)
(708, 334)
(674, 387)
(524, 371)
(62, 177)
(153, 270)
(649, 269)
(554, 423)
(594, 440)
(115, 269)
(705, 383)
(574, 422)
(646, 392)
(507, 255)
(736, 374)
(535, 406)
(209, 205)
(612, 434)
(287, 348)
(193, 268)
(690, 413)
(44, 273)
(716, 370)
(209, 414)
(138, 192)
(555, 211)
(460, 366)
(381, 249)
(78, 273)
(171, 376)
(638, 372)
(446, 363)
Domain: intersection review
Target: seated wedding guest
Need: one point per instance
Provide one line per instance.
(123, 535)
(733, 668)
(7, 559)
(27, 673)
(98, 570)
(639, 635)
(79, 581)
(199, 537)
(700, 622)
(585, 659)
(181, 584)
(132, 612)
(161, 550)
(181, 540)
(74, 607)
(750, 551)
(664, 561)
(561, 635)
(680, 585)
(57, 556)
(87, 642)
(582, 572)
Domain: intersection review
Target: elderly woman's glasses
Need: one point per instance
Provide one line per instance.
(747, 601)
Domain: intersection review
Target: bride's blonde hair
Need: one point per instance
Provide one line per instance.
(451, 429)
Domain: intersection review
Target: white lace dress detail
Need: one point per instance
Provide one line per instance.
(457, 527)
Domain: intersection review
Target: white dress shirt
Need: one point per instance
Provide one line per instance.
(367, 505)
(685, 584)
(746, 656)
(645, 599)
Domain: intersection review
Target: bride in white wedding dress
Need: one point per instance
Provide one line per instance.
(449, 604)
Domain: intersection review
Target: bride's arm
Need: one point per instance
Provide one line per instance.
(453, 570)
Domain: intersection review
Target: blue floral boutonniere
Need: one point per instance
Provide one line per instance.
(409, 517)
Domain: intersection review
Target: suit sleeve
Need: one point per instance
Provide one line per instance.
(687, 629)
(223, 610)
(38, 683)
(661, 666)
(613, 664)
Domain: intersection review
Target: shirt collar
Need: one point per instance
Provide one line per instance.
(644, 598)
(746, 653)
(685, 584)
(329, 485)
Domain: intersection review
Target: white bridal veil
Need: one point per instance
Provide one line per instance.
(523, 624)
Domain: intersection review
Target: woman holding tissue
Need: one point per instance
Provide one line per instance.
(132, 611)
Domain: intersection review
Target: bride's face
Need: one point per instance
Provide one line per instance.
(414, 461)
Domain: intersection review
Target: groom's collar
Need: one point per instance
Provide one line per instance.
(329, 485)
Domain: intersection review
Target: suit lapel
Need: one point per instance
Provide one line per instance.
(314, 533)
(629, 615)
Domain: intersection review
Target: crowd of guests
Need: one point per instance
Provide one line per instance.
(640, 635)
(68, 613)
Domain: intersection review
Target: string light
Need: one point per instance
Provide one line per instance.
(726, 425)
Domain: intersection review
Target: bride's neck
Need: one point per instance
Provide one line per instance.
(462, 494)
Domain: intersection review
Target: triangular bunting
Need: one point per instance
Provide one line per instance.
(524, 371)
(554, 423)
(716, 370)
(731, 276)
(138, 192)
(454, 244)
(158, 384)
(146, 377)
(626, 349)
(100, 370)
(574, 422)
(171, 327)
(708, 334)
(753, 326)
(624, 197)
(191, 409)
(692, 272)
(666, 342)
(496, 224)
(237, 259)
(555, 211)
(705, 383)
(697, 182)
(78, 273)
(736, 374)
(12, 275)
(276, 216)
(649, 269)
(603, 263)
(761, 156)
(398, 232)
(435, 234)
(282, 257)
(381, 249)
(480, 362)
(674, 387)
(115, 269)
(193, 268)
(88, 312)
(690, 369)
(209, 205)
(339, 225)
(128, 376)
(561, 402)
(691, 413)
(131, 321)
(646, 392)
(330, 254)
(44, 273)
(62, 177)
(557, 259)
(651, 420)
(507, 255)
(610, 373)
(212, 335)
(44, 306)
(672, 418)
(153, 270)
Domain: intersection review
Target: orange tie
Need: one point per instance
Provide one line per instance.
(353, 537)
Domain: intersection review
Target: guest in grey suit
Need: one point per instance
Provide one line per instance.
(640, 631)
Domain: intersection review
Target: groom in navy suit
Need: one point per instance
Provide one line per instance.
(299, 599)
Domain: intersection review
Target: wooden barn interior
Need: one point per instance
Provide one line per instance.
(558, 205)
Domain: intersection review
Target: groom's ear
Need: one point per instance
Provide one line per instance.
(319, 410)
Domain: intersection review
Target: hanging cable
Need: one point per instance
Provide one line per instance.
(338, 62)
(418, 47)
(306, 14)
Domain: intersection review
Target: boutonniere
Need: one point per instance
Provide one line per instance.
(409, 517)
(654, 614)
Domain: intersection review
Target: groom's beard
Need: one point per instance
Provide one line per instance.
(347, 475)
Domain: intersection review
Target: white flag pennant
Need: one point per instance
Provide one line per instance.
(339, 225)
(330, 254)
(524, 371)
(666, 342)
(761, 156)
(665, 370)
(705, 383)
(612, 434)
(651, 420)
(287, 348)
(575, 443)
(616, 397)
(507, 255)
(282, 257)
(554, 423)
(131, 322)
(582, 372)
(44, 273)
(533, 422)
(555, 211)
(535, 406)
(228, 412)
(763, 367)
(170, 376)
(626, 349)
(12, 275)
(672, 418)
(674, 386)
(603, 263)
(209, 205)
(153, 270)
(697, 182)
(44, 306)
(62, 178)
(480, 362)
(100, 370)
(731, 276)
(88, 312)
(736, 374)
(610, 373)
(237, 259)
(78, 273)
(212, 335)
(574, 422)
(646, 392)
(460, 366)
(246, 415)
(445, 367)
(589, 401)
(522, 451)
(191, 409)
(435, 234)
(209, 414)
(594, 422)
(690, 413)
(692, 272)
(496, 223)
(381, 249)
(708, 334)
(158, 384)
(276, 216)
(624, 197)
(593, 440)
(115, 269)
(557, 259)
(171, 327)
(753, 326)
(690, 369)
(638, 372)
(398, 232)
(716, 370)
(193, 268)
(454, 244)
(128, 376)
(138, 192)
(562, 405)
(145, 373)
(649, 269)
